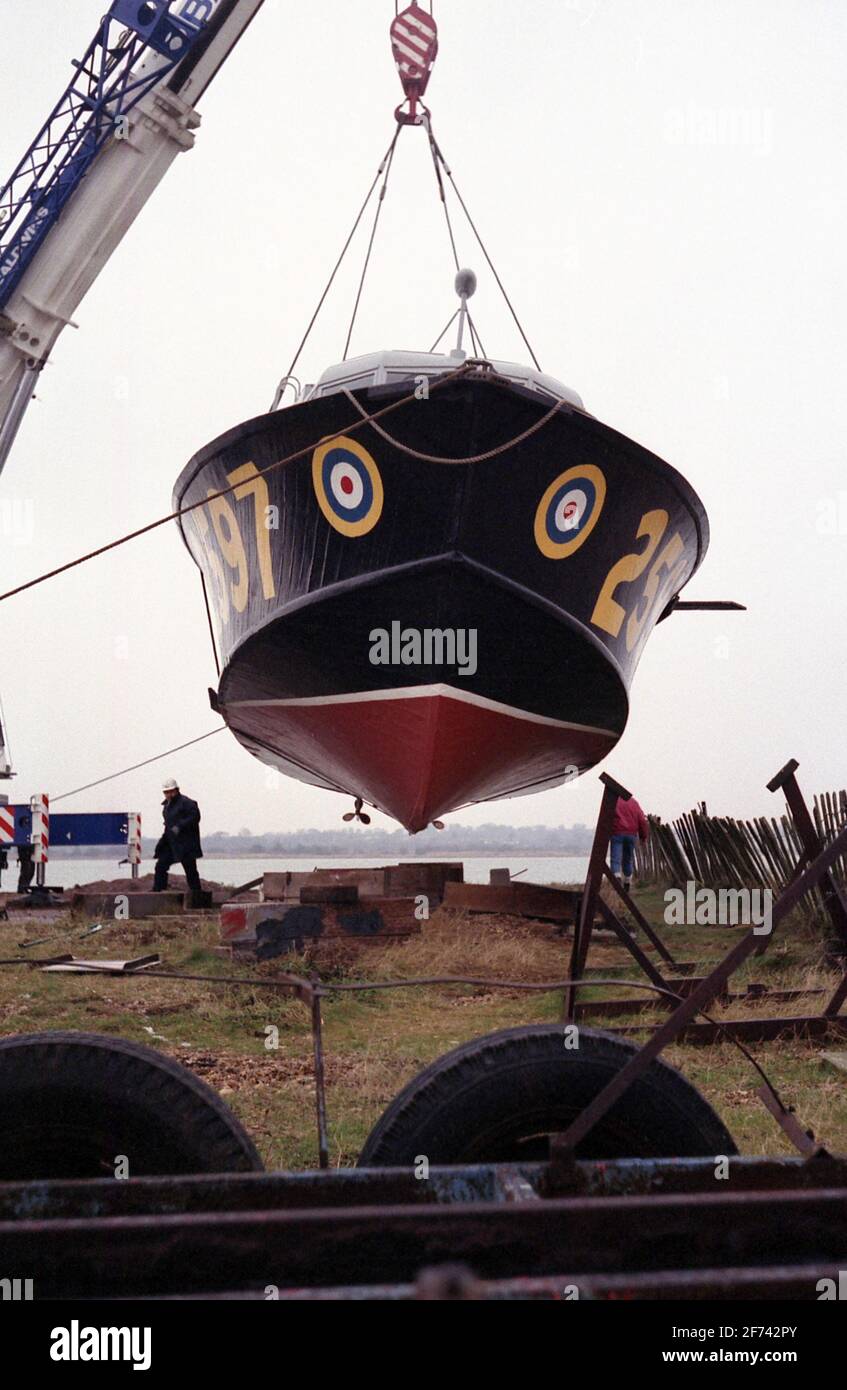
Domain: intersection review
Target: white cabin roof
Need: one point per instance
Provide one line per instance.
(383, 368)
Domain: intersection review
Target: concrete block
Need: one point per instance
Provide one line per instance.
(272, 929)
(196, 899)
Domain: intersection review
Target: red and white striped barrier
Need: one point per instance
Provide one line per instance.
(7, 825)
(40, 806)
(134, 837)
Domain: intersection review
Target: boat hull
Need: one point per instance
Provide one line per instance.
(423, 633)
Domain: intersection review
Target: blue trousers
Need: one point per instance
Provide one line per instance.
(623, 849)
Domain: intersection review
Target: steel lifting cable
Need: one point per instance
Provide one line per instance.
(351, 428)
(478, 348)
(377, 176)
(448, 171)
(382, 192)
(136, 766)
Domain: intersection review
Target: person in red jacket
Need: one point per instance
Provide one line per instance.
(630, 823)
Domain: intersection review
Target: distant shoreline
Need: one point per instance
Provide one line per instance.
(510, 853)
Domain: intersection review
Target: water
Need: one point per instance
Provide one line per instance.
(65, 873)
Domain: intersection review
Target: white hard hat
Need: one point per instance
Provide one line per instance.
(170, 785)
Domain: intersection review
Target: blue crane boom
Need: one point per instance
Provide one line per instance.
(98, 158)
(107, 85)
(100, 155)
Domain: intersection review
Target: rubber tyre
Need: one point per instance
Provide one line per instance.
(71, 1103)
(496, 1099)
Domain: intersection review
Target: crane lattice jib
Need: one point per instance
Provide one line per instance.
(106, 86)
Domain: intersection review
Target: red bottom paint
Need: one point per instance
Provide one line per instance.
(417, 755)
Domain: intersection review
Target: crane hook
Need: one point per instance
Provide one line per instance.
(414, 44)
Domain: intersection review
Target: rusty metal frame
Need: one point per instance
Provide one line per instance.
(591, 902)
(772, 1228)
(702, 995)
(751, 1030)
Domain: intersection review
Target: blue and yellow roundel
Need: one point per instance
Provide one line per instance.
(569, 511)
(347, 485)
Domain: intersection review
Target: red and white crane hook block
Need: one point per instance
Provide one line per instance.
(414, 44)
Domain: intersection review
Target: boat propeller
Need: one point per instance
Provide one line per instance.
(357, 813)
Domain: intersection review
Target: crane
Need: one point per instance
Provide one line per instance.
(128, 111)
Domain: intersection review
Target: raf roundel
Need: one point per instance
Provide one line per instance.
(569, 511)
(348, 486)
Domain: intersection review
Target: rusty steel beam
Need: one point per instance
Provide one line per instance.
(612, 1008)
(65, 1199)
(833, 897)
(802, 1139)
(320, 1080)
(755, 1029)
(796, 1282)
(635, 912)
(212, 1252)
(612, 791)
(626, 939)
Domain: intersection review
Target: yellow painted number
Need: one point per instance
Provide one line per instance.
(669, 556)
(608, 613)
(252, 484)
(231, 545)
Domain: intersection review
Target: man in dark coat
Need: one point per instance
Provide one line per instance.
(180, 842)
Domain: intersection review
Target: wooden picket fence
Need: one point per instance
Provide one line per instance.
(719, 852)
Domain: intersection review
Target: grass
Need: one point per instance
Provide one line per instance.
(377, 1040)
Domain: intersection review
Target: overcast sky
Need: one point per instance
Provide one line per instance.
(662, 185)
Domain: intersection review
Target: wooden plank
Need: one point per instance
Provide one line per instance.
(286, 886)
(429, 879)
(391, 881)
(533, 900)
(339, 894)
